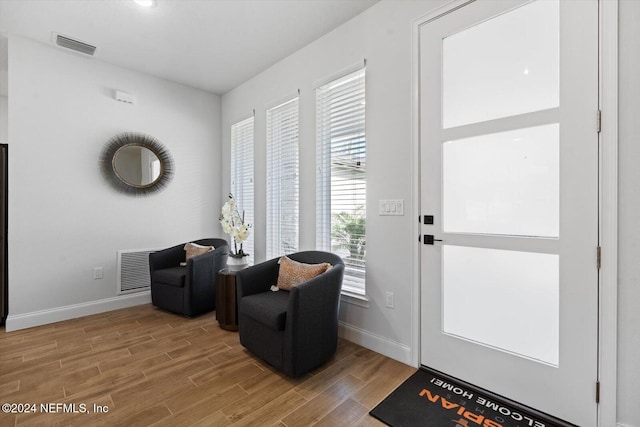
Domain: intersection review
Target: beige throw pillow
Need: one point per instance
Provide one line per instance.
(194, 249)
(293, 273)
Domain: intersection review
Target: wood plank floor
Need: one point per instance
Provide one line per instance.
(148, 367)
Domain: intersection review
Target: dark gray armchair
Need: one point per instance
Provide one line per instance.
(293, 331)
(189, 290)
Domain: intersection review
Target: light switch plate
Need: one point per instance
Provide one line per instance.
(391, 207)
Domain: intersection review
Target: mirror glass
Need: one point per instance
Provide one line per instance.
(136, 165)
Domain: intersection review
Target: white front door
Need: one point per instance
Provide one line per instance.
(509, 179)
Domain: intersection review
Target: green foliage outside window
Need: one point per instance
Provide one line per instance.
(348, 232)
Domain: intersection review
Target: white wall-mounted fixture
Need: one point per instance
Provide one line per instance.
(145, 3)
(124, 97)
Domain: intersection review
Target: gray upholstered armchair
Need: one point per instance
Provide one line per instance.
(188, 289)
(294, 331)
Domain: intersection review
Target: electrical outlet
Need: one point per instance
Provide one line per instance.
(97, 273)
(390, 299)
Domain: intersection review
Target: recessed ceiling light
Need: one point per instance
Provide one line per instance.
(145, 3)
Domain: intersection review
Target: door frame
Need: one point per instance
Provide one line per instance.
(608, 197)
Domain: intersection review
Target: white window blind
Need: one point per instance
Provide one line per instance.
(242, 174)
(282, 179)
(341, 178)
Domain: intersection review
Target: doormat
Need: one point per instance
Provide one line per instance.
(431, 399)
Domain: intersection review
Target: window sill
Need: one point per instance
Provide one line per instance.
(354, 298)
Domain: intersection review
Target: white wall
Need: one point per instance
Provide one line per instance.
(4, 105)
(382, 35)
(629, 223)
(64, 219)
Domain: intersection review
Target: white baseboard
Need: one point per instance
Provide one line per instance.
(377, 343)
(43, 317)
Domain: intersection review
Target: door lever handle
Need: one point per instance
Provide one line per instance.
(429, 239)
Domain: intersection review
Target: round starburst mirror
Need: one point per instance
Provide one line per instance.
(137, 164)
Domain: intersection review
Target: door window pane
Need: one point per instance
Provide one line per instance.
(506, 66)
(504, 183)
(508, 300)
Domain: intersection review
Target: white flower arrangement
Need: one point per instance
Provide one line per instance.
(233, 224)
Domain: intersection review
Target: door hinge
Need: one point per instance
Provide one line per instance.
(598, 257)
(597, 391)
(599, 121)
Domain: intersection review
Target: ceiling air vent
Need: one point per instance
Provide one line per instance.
(75, 45)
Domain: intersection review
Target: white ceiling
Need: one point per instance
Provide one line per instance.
(213, 45)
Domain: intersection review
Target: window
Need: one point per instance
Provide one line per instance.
(282, 179)
(341, 179)
(242, 174)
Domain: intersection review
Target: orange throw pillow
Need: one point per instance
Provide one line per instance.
(293, 273)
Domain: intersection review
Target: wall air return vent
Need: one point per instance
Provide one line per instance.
(75, 45)
(133, 270)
